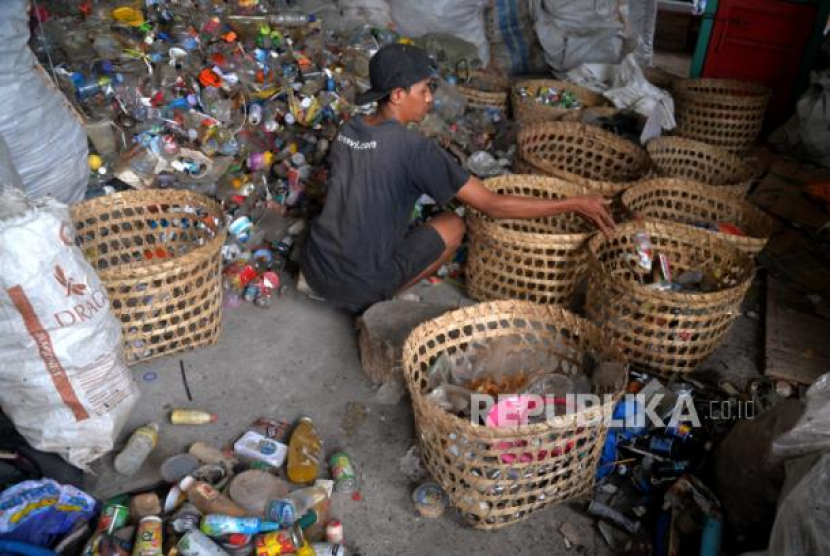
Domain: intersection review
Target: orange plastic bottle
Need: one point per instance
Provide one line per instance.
(304, 452)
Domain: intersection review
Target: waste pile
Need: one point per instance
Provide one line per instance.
(239, 101)
(262, 496)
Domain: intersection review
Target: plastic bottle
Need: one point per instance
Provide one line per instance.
(288, 510)
(139, 446)
(216, 525)
(196, 543)
(291, 19)
(448, 102)
(192, 417)
(304, 452)
(208, 500)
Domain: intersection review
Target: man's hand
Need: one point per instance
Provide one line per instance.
(595, 209)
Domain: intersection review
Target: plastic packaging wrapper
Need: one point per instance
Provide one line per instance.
(802, 524)
(812, 432)
(575, 32)
(462, 18)
(808, 126)
(626, 87)
(40, 512)
(373, 12)
(44, 135)
(68, 390)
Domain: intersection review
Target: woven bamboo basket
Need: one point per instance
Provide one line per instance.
(685, 158)
(538, 260)
(660, 78)
(665, 332)
(722, 112)
(159, 254)
(692, 203)
(484, 90)
(492, 475)
(582, 154)
(527, 111)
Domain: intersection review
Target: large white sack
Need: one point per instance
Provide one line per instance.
(45, 137)
(575, 32)
(461, 18)
(63, 381)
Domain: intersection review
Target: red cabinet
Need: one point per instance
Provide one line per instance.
(762, 41)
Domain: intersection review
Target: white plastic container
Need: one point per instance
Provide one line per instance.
(256, 447)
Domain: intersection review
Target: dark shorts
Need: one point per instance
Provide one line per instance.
(420, 248)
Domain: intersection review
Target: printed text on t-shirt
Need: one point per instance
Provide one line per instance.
(357, 145)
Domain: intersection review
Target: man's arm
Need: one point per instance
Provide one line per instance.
(592, 207)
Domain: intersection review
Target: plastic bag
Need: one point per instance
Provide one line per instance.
(63, 381)
(802, 524)
(812, 432)
(373, 12)
(39, 512)
(626, 87)
(44, 134)
(574, 32)
(461, 18)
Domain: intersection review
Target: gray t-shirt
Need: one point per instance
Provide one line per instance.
(377, 174)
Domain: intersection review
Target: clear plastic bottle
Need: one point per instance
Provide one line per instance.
(288, 510)
(139, 446)
(304, 452)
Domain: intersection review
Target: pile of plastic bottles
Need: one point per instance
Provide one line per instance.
(271, 493)
(236, 100)
(551, 96)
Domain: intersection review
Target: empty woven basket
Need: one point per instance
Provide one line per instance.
(692, 203)
(722, 112)
(499, 476)
(665, 332)
(158, 252)
(582, 154)
(685, 158)
(538, 260)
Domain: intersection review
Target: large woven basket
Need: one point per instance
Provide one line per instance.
(159, 254)
(692, 203)
(665, 332)
(685, 158)
(527, 110)
(582, 154)
(538, 260)
(498, 476)
(722, 112)
(484, 90)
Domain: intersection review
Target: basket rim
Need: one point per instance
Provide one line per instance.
(606, 188)
(194, 256)
(703, 190)
(510, 309)
(493, 228)
(756, 91)
(659, 145)
(665, 227)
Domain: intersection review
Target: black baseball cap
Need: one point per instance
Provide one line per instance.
(395, 66)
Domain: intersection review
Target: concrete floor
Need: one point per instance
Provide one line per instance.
(300, 358)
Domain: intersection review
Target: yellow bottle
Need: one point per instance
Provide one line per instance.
(192, 417)
(304, 453)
